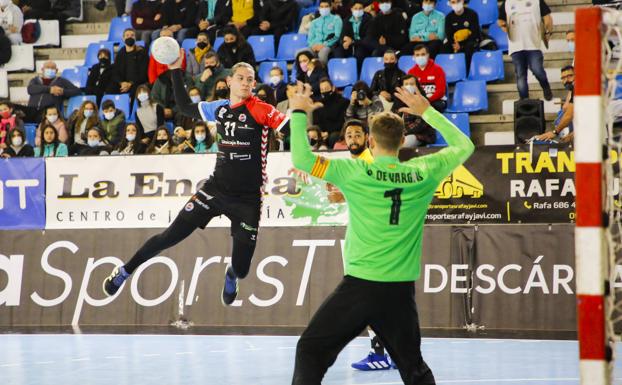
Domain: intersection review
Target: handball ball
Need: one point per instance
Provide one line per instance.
(165, 50)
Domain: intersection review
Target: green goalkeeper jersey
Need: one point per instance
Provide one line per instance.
(387, 200)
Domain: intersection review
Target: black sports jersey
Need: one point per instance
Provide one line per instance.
(242, 137)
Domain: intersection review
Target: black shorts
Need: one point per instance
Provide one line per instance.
(243, 211)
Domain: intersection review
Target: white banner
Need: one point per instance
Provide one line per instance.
(148, 191)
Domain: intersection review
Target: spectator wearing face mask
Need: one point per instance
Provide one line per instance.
(324, 31)
(101, 74)
(162, 143)
(462, 30)
(149, 115)
(314, 134)
(210, 72)
(418, 133)
(309, 70)
(130, 64)
(431, 77)
(385, 80)
(277, 18)
(235, 49)
(11, 21)
(49, 144)
(428, 28)
(278, 85)
(563, 129)
(8, 121)
(80, 122)
(352, 42)
(53, 117)
(200, 141)
(17, 146)
(48, 90)
(388, 29)
(331, 112)
(178, 16)
(220, 91)
(96, 144)
(113, 123)
(196, 55)
(131, 142)
(363, 104)
(146, 18)
(187, 122)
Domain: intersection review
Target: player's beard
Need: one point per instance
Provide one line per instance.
(355, 149)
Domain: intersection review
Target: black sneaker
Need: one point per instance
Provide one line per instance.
(114, 281)
(230, 288)
(100, 5)
(548, 94)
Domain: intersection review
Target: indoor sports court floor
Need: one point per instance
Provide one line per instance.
(265, 360)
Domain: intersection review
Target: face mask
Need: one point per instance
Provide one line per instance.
(161, 142)
(93, 143)
(304, 66)
(49, 73)
(202, 45)
(104, 61)
(221, 93)
(5, 114)
(230, 44)
(200, 137)
(109, 115)
(421, 61)
(569, 86)
(410, 89)
(427, 8)
(312, 141)
(130, 41)
(143, 97)
(326, 95)
(457, 7)
(195, 98)
(390, 66)
(52, 118)
(385, 7)
(17, 141)
(274, 80)
(358, 13)
(88, 113)
(324, 11)
(356, 149)
(571, 46)
(130, 137)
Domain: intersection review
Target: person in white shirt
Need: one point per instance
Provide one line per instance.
(528, 23)
(11, 20)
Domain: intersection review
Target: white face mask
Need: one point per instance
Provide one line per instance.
(93, 142)
(52, 118)
(324, 11)
(457, 7)
(427, 8)
(130, 137)
(195, 98)
(200, 137)
(385, 7)
(274, 80)
(17, 141)
(410, 89)
(358, 13)
(49, 73)
(109, 115)
(143, 96)
(88, 113)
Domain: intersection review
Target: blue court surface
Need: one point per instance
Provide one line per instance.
(265, 360)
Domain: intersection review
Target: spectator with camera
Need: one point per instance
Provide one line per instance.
(363, 103)
(431, 77)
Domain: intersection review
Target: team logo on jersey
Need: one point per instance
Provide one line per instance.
(466, 24)
(221, 113)
(189, 206)
(242, 118)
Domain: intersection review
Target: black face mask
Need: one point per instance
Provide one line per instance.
(161, 142)
(313, 142)
(230, 44)
(390, 66)
(569, 86)
(104, 61)
(326, 95)
(130, 41)
(202, 45)
(221, 93)
(356, 150)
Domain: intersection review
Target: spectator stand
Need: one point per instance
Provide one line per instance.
(406, 62)
(31, 132)
(4, 84)
(443, 6)
(77, 75)
(454, 65)
(469, 96)
(75, 101)
(263, 46)
(487, 66)
(218, 42)
(22, 58)
(117, 26)
(460, 120)
(487, 11)
(91, 52)
(499, 36)
(370, 66)
(342, 72)
(50, 33)
(289, 44)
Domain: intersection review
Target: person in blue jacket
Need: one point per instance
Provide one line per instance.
(50, 145)
(324, 31)
(427, 27)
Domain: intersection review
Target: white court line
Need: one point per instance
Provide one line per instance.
(481, 381)
(44, 362)
(252, 349)
(151, 354)
(286, 347)
(183, 353)
(114, 357)
(8, 365)
(217, 351)
(81, 359)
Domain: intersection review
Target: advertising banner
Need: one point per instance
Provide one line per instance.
(494, 277)
(22, 193)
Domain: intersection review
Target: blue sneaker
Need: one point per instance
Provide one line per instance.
(114, 281)
(230, 289)
(373, 361)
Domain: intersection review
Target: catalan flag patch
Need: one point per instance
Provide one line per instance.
(319, 167)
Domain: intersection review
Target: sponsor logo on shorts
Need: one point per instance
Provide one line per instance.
(247, 227)
(189, 206)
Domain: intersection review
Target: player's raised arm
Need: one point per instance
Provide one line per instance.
(459, 146)
(301, 103)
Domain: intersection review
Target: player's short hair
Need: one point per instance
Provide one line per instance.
(387, 129)
(239, 65)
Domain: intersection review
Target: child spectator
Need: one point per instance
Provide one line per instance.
(85, 118)
(8, 122)
(131, 142)
(200, 141)
(149, 115)
(162, 143)
(49, 142)
(17, 146)
(113, 123)
(53, 117)
(96, 143)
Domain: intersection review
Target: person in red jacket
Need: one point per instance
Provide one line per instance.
(156, 69)
(431, 77)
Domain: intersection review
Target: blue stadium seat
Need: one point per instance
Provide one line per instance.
(303, 12)
(289, 44)
(499, 36)
(461, 120)
(347, 92)
(487, 66)
(121, 102)
(265, 67)
(263, 47)
(405, 63)
(618, 92)
(487, 11)
(187, 44)
(469, 96)
(454, 65)
(91, 52)
(75, 102)
(117, 26)
(132, 118)
(170, 125)
(76, 75)
(31, 132)
(342, 72)
(218, 42)
(371, 65)
(443, 6)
